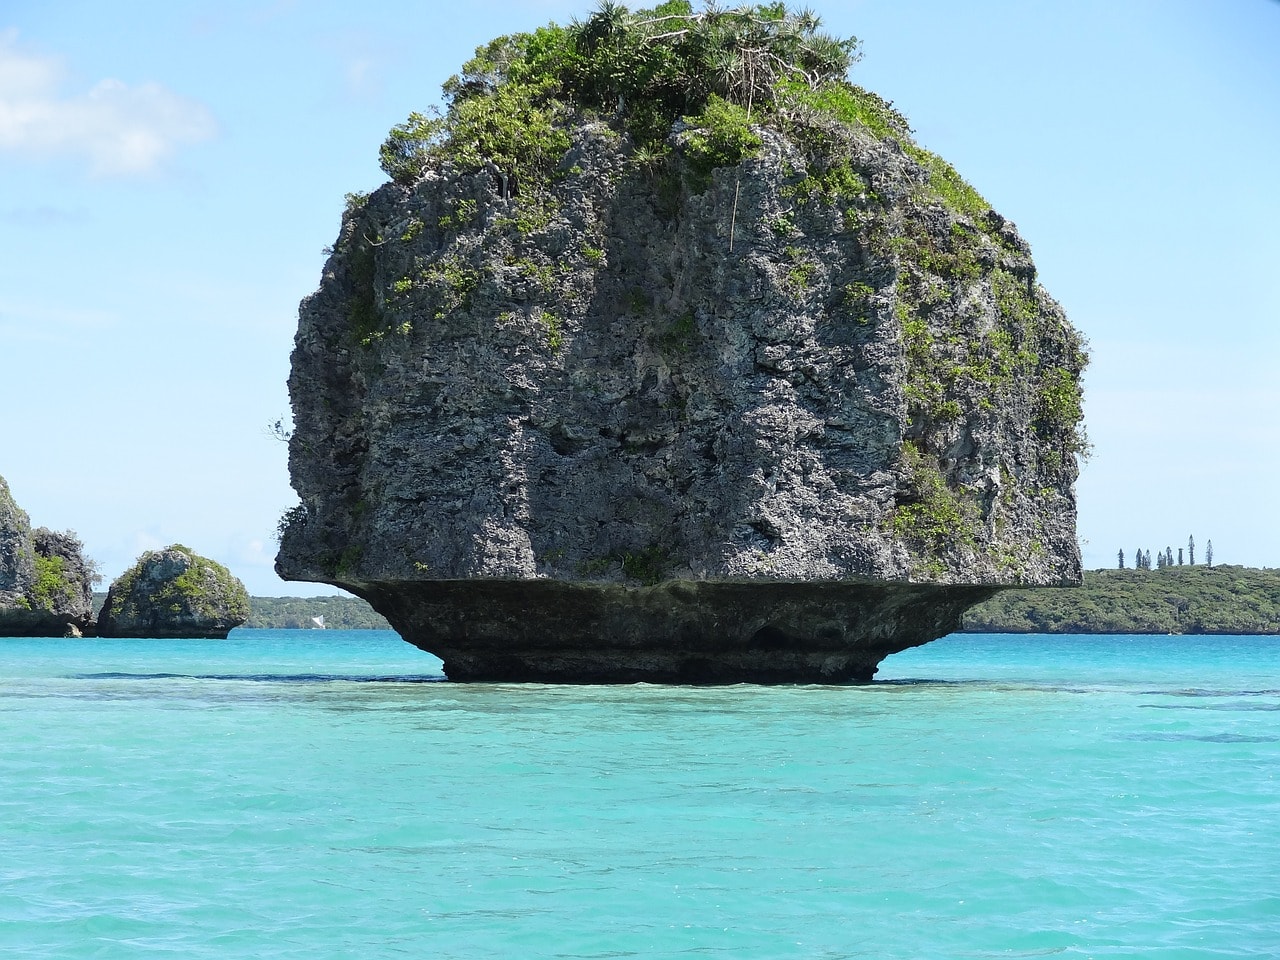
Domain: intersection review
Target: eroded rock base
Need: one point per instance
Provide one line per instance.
(675, 632)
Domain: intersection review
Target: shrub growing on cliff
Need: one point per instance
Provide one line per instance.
(512, 127)
(935, 517)
(643, 70)
(64, 577)
(50, 584)
(724, 137)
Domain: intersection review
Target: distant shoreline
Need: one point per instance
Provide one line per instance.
(1181, 600)
(1185, 600)
(299, 613)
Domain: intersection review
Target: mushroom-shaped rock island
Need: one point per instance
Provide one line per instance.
(666, 354)
(174, 593)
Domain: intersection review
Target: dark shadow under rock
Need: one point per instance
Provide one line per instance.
(676, 632)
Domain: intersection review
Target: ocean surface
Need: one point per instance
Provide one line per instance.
(323, 794)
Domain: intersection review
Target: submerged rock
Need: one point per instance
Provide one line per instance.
(761, 396)
(174, 593)
(46, 583)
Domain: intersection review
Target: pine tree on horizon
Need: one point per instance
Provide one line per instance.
(1121, 557)
(1208, 554)
(1191, 550)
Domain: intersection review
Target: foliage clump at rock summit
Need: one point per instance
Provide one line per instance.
(641, 71)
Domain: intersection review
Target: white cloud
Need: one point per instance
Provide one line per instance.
(361, 77)
(42, 215)
(119, 129)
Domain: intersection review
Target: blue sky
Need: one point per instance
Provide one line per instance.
(170, 173)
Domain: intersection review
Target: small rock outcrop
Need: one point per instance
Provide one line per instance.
(704, 375)
(46, 582)
(174, 593)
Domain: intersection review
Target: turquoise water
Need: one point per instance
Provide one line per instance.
(291, 794)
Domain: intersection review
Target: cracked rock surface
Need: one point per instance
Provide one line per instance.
(644, 426)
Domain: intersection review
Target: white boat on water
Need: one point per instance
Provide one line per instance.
(318, 621)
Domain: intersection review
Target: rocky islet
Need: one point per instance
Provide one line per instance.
(46, 588)
(46, 583)
(606, 386)
(174, 592)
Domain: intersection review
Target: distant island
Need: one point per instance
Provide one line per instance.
(1180, 599)
(1175, 599)
(300, 613)
(336, 613)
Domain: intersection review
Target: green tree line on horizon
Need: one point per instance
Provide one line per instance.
(1179, 600)
(1142, 558)
(1172, 599)
(292, 613)
(297, 613)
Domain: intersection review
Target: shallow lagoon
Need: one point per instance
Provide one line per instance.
(323, 794)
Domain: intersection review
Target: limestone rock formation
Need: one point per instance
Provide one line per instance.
(46, 582)
(17, 561)
(174, 593)
(64, 580)
(754, 388)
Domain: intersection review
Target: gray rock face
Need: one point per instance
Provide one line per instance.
(174, 593)
(65, 585)
(17, 555)
(46, 583)
(655, 427)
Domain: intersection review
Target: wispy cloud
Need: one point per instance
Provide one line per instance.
(361, 57)
(118, 129)
(361, 77)
(43, 215)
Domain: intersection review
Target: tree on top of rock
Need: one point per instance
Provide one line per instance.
(641, 71)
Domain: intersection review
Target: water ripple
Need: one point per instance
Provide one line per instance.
(263, 677)
(1207, 738)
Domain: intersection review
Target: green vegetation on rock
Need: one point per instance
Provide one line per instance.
(50, 585)
(726, 74)
(45, 579)
(722, 137)
(934, 519)
(642, 71)
(174, 592)
(1180, 599)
